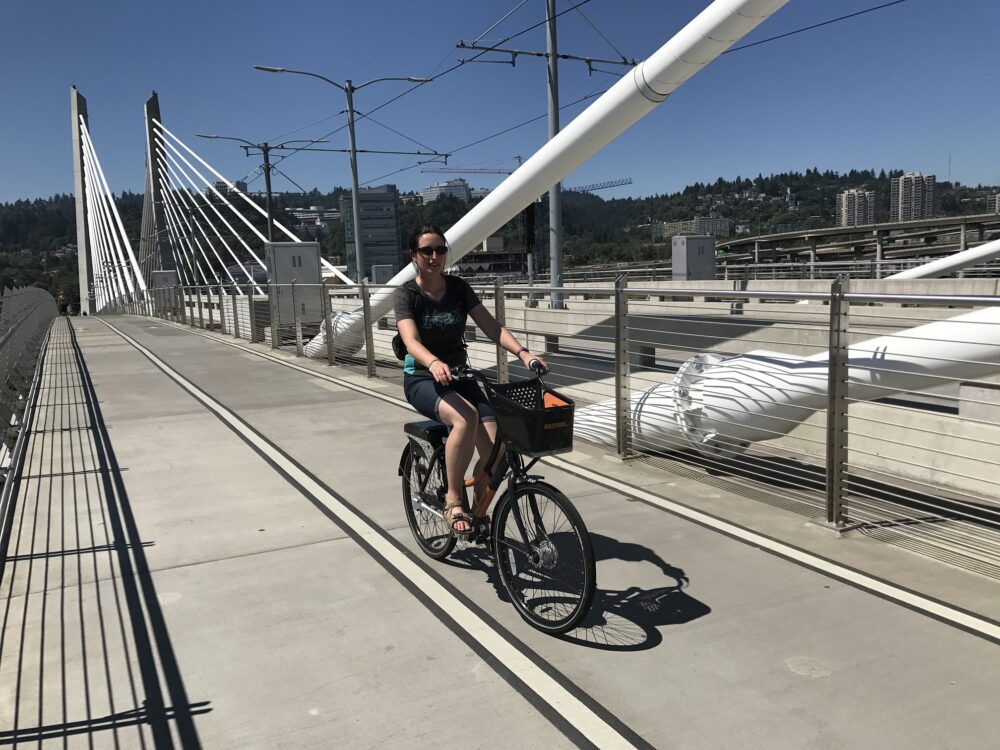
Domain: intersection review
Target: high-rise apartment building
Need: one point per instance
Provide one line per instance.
(855, 207)
(380, 235)
(911, 197)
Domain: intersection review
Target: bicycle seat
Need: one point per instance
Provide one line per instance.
(429, 430)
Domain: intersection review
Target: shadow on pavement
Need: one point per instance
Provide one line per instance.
(626, 620)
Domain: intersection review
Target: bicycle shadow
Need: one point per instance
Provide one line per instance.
(625, 620)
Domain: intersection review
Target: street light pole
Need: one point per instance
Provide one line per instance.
(349, 88)
(359, 251)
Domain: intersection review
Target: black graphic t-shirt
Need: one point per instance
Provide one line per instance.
(441, 323)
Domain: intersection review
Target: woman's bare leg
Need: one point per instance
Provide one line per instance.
(485, 438)
(463, 419)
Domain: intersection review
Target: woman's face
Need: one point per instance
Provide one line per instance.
(431, 253)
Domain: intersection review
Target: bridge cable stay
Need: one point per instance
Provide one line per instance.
(172, 240)
(195, 193)
(177, 238)
(231, 188)
(181, 241)
(100, 241)
(187, 216)
(113, 259)
(173, 154)
(111, 287)
(122, 243)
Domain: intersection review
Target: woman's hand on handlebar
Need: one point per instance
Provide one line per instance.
(527, 358)
(440, 372)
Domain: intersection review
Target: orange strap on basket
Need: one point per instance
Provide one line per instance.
(551, 400)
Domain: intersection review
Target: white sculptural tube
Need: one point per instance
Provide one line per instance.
(952, 263)
(707, 36)
(723, 405)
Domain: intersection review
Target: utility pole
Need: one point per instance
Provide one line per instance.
(359, 245)
(265, 149)
(552, 57)
(555, 192)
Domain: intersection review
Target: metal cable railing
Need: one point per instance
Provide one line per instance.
(909, 463)
(25, 318)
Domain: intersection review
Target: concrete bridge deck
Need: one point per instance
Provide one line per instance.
(209, 550)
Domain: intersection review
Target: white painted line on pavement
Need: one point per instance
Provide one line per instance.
(567, 705)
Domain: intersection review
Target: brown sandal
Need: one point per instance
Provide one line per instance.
(455, 513)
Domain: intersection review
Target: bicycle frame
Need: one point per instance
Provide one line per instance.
(511, 462)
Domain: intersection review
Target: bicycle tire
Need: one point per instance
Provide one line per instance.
(430, 531)
(551, 580)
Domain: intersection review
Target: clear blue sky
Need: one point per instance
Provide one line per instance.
(905, 87)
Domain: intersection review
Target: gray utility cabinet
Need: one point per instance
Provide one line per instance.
(693, 257)
(164, 278)
(298, 262)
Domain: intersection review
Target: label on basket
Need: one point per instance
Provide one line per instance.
(556, 425)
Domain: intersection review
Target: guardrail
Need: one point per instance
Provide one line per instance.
(918, 467)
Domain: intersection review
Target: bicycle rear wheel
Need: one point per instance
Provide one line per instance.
(426, 522)
(544, 557)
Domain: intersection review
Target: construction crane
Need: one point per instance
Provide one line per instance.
(593, 187)
(599, 185)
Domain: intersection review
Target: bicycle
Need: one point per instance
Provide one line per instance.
(539, 542)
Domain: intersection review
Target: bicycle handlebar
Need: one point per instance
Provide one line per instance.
(467, 372)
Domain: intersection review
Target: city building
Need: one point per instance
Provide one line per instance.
(994, 204)
(223, 188)
(493, 258)
(479, 193)
(458, 188)
(855, 207)
(715, 226)
(380, 234)
(314, 219)
(911, 197)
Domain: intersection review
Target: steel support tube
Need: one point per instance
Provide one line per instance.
(707, 36)
(956, 262)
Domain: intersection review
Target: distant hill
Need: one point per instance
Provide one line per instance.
(34, 234)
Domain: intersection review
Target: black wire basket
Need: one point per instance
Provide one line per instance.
(534, 419)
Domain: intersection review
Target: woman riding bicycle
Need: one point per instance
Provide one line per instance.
(431, 313)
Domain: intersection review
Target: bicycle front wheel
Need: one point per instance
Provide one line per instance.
(429, 528)
(544, 557)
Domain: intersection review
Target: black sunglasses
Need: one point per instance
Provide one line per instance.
(429, 251)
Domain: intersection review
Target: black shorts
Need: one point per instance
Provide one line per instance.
(424, 393)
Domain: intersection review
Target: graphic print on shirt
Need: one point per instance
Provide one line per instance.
(442, 319)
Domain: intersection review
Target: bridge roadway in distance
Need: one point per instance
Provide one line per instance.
(209, 550)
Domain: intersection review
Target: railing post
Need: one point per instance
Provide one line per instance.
(623, 410)
(503, 376)
(369, 340)
(328, 324)
(297, 320)
(201, 312)
(836, 413)
(181, 308)
(211, 309)
(252, 316)
(273, 299)
(236, 315)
